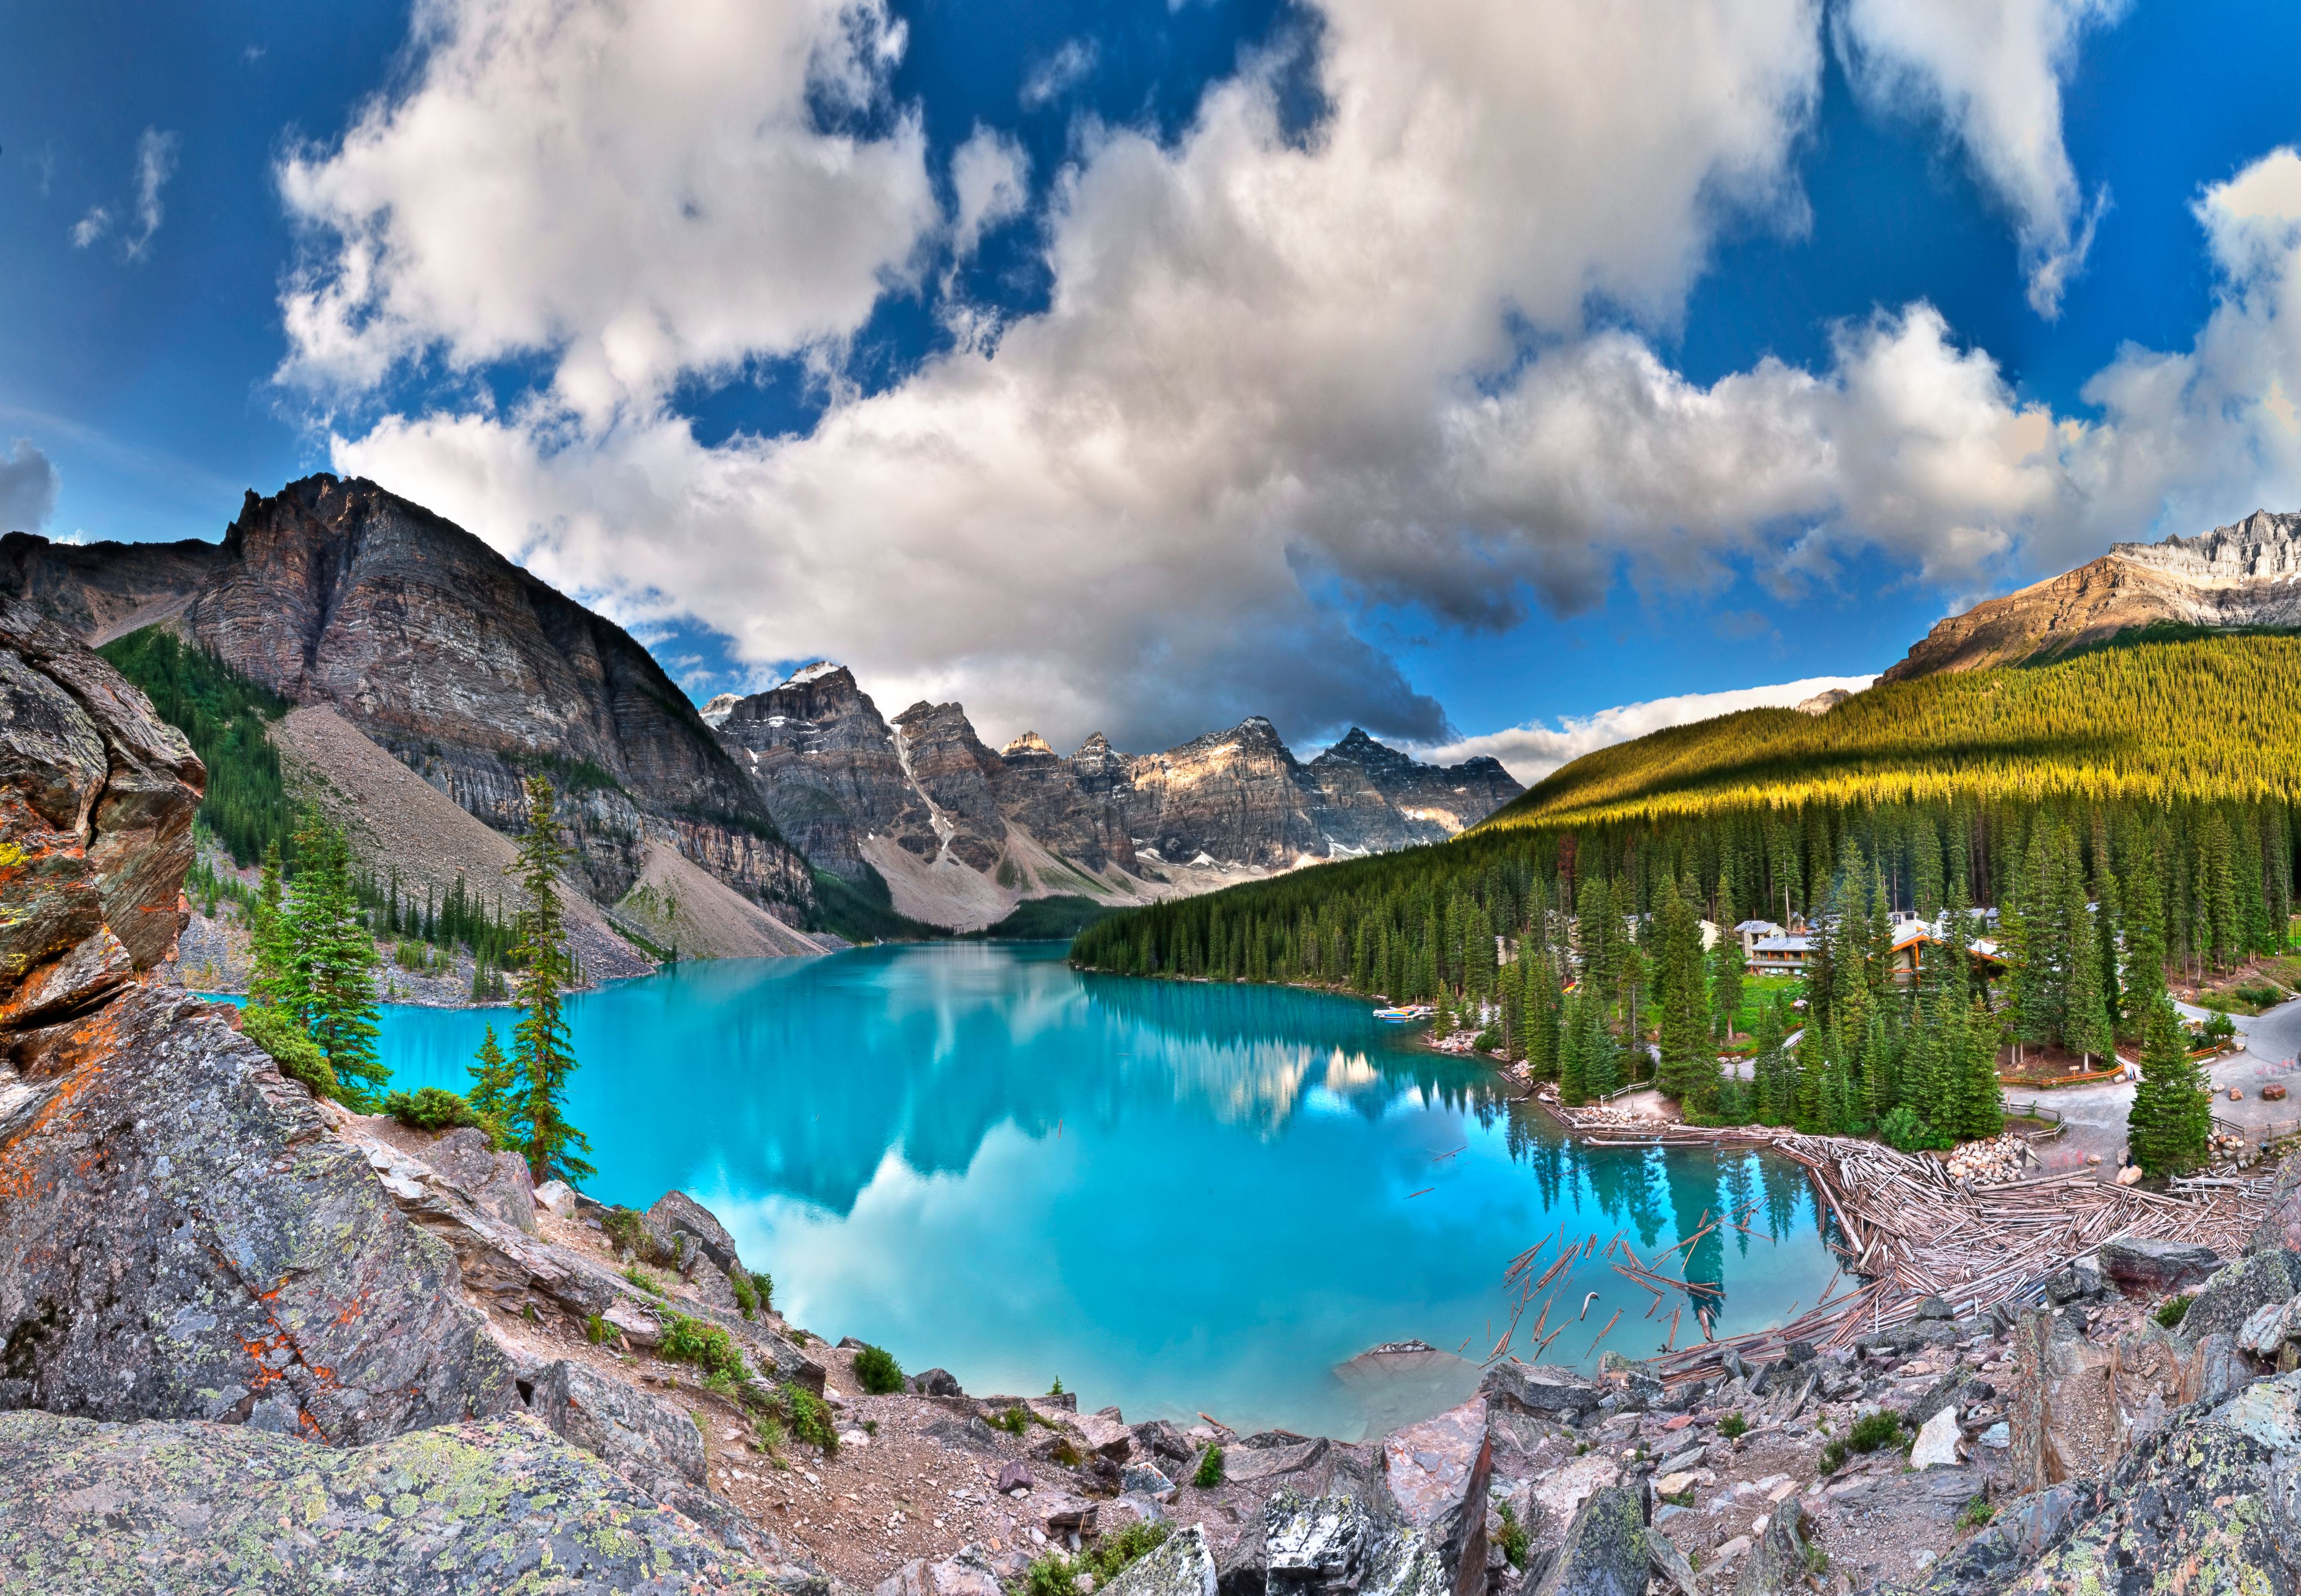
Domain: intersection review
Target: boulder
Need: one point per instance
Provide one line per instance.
(1670, 1564)
(557, 1198)
(1106, 1436)
(1014, 1476)
(1156, 1437)
(1337, 1545)
(2145, 1267)
(967, 1571)
(497, 1183)
(2022, 1529)
(2269, 1327)
(1182, 1565)
(1776, 1563)
(639, 1327)
(2216, 1371)
(2235, 1293)
(1546, 1390)
(1605, 1551)
(1936, 1446)
(1562, 1491)
(202, 1510)
(936, 1383)
(1438, 1473)
(1248, 1464)
(1934, 1307)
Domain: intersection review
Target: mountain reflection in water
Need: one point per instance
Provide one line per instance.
(1176, 1197)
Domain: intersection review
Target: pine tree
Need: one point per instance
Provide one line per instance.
(541, 1056)
(494, 1093)
(2170, 1122)
(1726, 983)
(2085, 1015)
(2143, 974)
(1689, 1064)
(334, 959)
(1573, 1062)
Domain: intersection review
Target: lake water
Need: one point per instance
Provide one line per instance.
(1177, 1198)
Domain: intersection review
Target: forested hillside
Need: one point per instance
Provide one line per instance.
(2124, 810)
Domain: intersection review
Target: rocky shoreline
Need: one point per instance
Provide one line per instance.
(250, 1342)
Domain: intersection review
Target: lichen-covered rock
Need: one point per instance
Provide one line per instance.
(1604, 1552)
(1345, 1543)
(194, 1508)
(181, 1239)
(2023, 1529)
(2235, 1292)
(1180, 1566)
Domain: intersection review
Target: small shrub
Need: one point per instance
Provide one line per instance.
(1065, 1454)
(1683, 1499)
(1874, 1430)
(809, 1417)
(598, 1331)
(1733, 1426)
(1209, 1472)
(1513, 1537)
(870, 1427)
(1489, 1040)
(430, 1109)
(1055, 1575)
(2174, 1309)
(1978, 1512)
(746, 1296)
(292, 1049)
(624, 1230)
(1817, 1561)
(704, 1344)
(877, 1372)
(1905, 1132)
(1833, 1457)
(1056, 1390)
(764, 1283)
(1013, 1421)
(645, 1281)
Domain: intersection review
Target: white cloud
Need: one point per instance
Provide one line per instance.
(991, 176)
(29, 482)
(1532, 751)
(91, 227)
(155, 163)
(639, 189)
(1060, 73)
(1992, 71)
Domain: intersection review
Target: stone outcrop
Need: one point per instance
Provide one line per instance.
(123, 1509)
(841, 781)
(2232, 576)
(1604, 1552)
(463, 664)
(2154, 1268)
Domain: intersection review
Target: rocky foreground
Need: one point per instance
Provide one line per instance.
(251, 1343)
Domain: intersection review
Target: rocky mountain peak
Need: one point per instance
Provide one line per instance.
(2265, 545)
(715, 713)
(1030, 745)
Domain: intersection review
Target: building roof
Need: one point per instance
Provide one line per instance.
(1784, 944)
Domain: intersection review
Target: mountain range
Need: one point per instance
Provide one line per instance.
(391, 629)
(960, 833)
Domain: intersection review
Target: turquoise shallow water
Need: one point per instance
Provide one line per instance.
(1177, 1198)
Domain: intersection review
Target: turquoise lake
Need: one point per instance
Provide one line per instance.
(1177, 1198)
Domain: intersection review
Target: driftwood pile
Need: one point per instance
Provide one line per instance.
(1909, 1230)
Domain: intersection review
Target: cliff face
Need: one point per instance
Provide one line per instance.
(962, 833)
(2239, 575)
(471, 671)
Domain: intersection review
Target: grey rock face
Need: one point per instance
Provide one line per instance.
(2144, 1266)
(676, 1214)
(2235, 1292)
(967, 1571)
(1604, 1551)
(1775, 1565)
(204, 1509)
(497, 1183)
(1544, 1390)
(1437, 1472)
(827, 764)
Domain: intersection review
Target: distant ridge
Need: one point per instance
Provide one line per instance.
(2246, 576)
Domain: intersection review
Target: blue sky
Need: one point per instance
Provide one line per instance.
(1135, 367)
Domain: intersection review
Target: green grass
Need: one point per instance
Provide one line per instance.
(707, 1346)
(2174, 1309)
(1109, 1556)
(1872, 1431)
(1513, 1538)
(643, 1279)
(1210, 1471)
(747, 1295)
